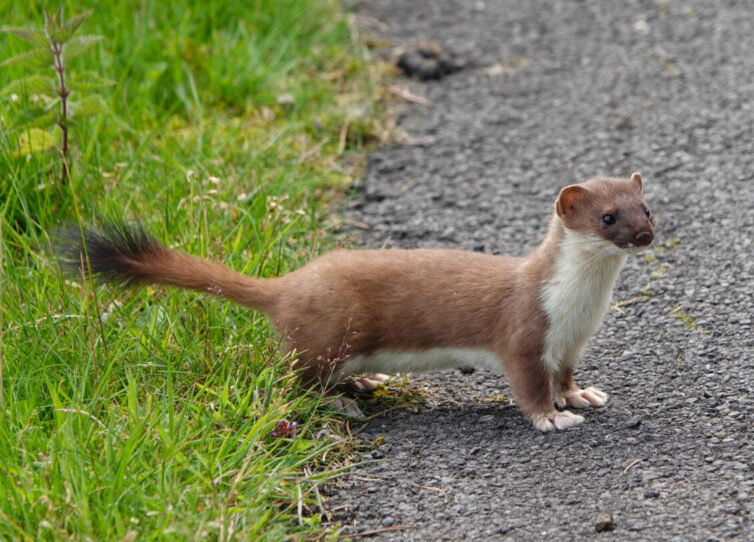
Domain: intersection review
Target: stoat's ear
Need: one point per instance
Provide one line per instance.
(636, 179)
(569, 199)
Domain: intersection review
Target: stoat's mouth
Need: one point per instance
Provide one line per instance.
(633, 249)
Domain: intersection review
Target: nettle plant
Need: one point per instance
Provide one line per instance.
(54, 99)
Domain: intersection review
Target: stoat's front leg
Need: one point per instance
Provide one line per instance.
(530, 382)
(566, 393)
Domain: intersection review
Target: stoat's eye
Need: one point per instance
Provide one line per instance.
(647, 212)
(608, 219)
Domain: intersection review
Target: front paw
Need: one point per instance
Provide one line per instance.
(590, 397)
(556, 420)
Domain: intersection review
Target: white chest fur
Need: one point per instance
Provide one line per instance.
(577, 296)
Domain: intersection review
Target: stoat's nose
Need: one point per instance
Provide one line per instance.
(643, 238)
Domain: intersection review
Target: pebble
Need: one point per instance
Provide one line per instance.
(427, 61)
(604, 523)
(633, 422)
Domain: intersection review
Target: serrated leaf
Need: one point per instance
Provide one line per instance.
(34, 84)
(35, 117)
(80, 44)
(68, 29)
(34, 140)
(89, 81)
(52, 23)
(37, 37)
(91, 105)
(36, 58)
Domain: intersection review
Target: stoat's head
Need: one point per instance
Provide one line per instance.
(611, 210)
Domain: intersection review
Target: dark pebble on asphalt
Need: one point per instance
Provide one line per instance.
(604, 523)
(426, 61)
(634, 422)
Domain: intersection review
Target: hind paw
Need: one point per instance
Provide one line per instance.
(345, 405)
(589, 397)
(368, 382)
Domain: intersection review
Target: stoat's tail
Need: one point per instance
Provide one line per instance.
(126, 254)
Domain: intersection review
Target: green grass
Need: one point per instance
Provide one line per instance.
(149, 413)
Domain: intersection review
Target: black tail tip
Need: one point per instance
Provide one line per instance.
(108, 252)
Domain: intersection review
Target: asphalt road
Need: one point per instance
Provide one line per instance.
(551, 93)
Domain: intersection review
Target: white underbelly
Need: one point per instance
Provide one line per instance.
(434, 359)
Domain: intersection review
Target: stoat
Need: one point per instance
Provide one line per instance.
(354, 312)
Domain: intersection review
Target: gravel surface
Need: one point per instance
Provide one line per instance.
(551, 93)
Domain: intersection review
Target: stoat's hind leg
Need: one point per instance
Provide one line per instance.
(346, 405)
